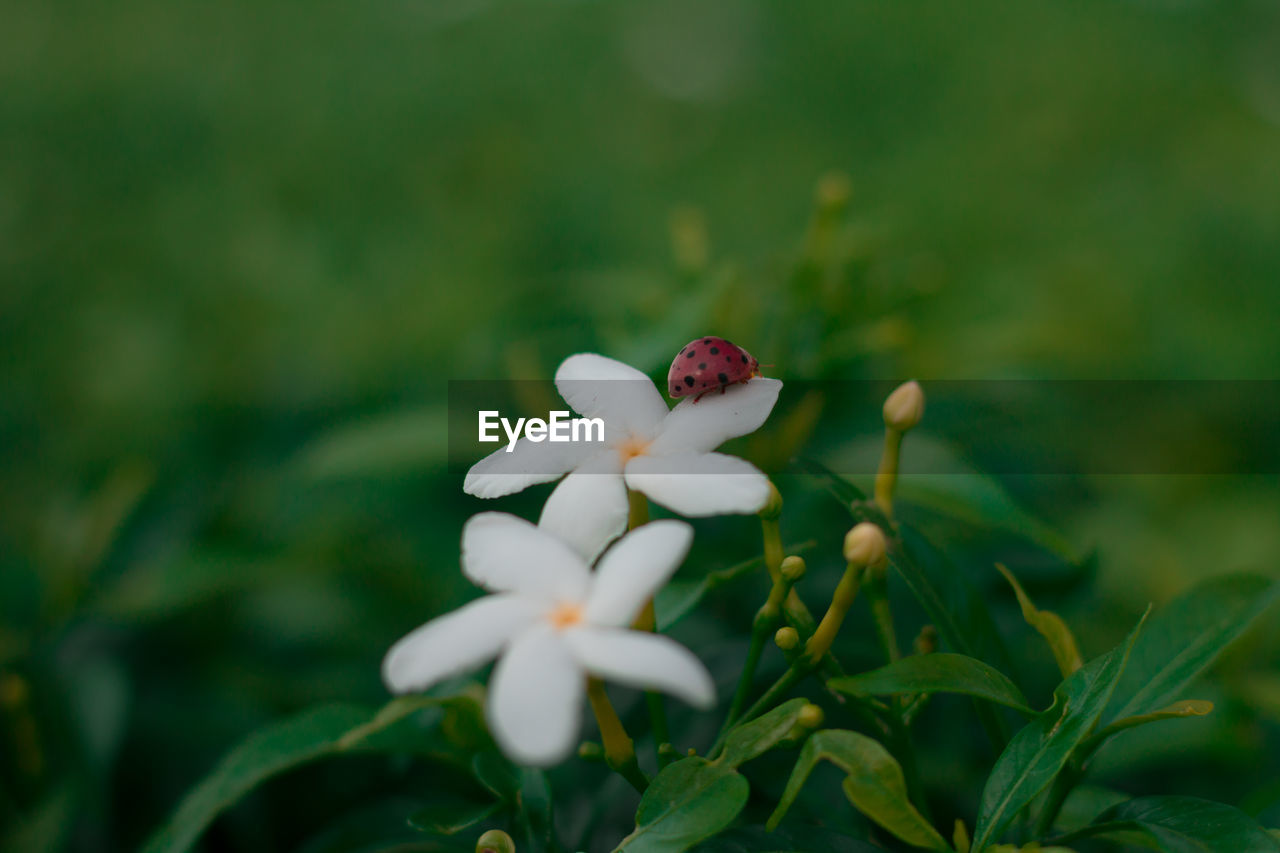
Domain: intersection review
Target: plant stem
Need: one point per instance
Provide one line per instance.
(647, 621)
(887, 476)
(619, 749)
(798, 670)
(878, 597)
(754, 651)
(841, 600)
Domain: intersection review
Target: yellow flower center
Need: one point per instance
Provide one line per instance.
(565, 615)
(631, 448)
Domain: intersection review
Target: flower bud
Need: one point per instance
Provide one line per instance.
(772, 510)
(864, 545)
(787, 638)
(904, 407)
(926, 641)
(833, 192)
(810, 717)
(793, 569)
(591, 751)
(495, 841)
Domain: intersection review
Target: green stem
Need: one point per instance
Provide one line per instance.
(638, 515)
(798, 670)
(754, 651)
(619, 749)
(878, 597)
(887, 476)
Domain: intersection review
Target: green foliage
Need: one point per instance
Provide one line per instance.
(1042, 748)
(936, 673)
(1181, 825)
(322, 732)
(1186, 636)
(687, 802)
(1050, 625)
(874, 784)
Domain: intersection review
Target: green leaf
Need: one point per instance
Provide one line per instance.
(391, 445)
(954, 605)
(535, 808)
(1050, 625)
(875, 785)
(687, 802)
(1186, 636)
(761, 734)
(979, 500)
(1182, 825)
(1178, 710)
(956, 609)
(840, 488)
(446, 818)
(1040, 749)
(316, 733)
(935, 673)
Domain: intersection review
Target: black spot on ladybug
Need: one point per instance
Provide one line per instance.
(744, 359)
(688, 380)
(702, 365)
(715, 350)
(724, 378)
(690, 353)
(706, 340)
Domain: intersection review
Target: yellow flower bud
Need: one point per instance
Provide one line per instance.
(810, 717)
(904, 407)
(787, 638)
(495, 841)
(793, 569)
(591, 751)
(864, 545)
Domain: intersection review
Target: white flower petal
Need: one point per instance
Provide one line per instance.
(698, 484)
(457, 641)
(502, 473)
(508, 554)
(642, 660)
(535, 699)
(599, 387)
(588, 510)
(634, 569)
(711, 421)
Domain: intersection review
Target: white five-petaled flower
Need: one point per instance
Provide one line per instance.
(664, 453)
(551, 621)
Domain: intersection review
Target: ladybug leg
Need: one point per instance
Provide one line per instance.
(699, 397)
(723, 388)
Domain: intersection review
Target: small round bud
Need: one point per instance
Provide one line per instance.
(666, 750)
(772, 510)
(787, 638)
(864, 545)
(792, 569)
(767, 616)
(904, 407)
(926, 641)
(691, 752)
(810, 717)
(495, 841)
(591, 751)
(833, 192)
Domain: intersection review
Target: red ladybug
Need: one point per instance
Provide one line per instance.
(706, 364)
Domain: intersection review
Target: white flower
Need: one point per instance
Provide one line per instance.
(551, 622)
(664, 453)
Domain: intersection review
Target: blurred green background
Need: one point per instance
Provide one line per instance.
(244, 246)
